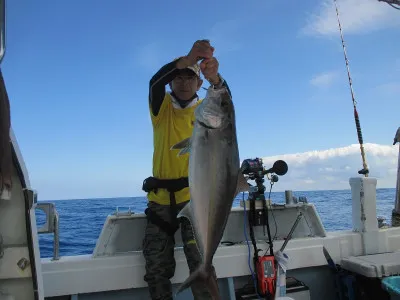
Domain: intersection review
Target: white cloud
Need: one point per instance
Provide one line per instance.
(332, 168)
(312, 170)
(356, 16)
(325, 79)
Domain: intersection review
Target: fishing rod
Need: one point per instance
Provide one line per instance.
(364, 171)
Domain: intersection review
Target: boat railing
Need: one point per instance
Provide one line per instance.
(51, 225)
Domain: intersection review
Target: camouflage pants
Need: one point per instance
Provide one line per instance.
(158, 251)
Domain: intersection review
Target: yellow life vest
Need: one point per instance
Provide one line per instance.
(170, 126)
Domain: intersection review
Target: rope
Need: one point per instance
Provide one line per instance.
(365, 170)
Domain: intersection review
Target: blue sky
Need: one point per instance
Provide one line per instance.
(77, 75)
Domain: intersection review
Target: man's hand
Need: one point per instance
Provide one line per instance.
(209, 68)
(201, 49)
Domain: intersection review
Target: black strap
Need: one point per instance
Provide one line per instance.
(172, 186)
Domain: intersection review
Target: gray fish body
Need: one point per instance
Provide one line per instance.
(214, 177)
(213, 172)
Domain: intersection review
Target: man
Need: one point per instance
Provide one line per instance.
(172, 116)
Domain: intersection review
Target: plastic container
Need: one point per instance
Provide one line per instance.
(392, 285)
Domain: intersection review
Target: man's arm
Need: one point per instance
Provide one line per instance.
(209, 68)
(221, 83)
(157, 85)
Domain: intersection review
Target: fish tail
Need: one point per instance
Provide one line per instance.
(203, 274)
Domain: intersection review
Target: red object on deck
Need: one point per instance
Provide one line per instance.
(266, 274)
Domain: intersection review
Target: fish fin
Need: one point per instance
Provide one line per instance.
(202, 274)
(185, 212)
(183, 145)
(242, 185)
(184, 151)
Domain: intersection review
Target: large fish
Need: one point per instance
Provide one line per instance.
(214, 178)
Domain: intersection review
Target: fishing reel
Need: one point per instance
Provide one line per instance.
(255, 170)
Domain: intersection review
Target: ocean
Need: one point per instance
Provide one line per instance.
(81, 220)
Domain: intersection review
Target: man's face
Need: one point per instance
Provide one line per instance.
(186, 84)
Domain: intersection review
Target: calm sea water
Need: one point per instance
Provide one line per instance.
(81, 221)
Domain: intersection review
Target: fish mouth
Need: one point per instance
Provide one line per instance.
(204, 125)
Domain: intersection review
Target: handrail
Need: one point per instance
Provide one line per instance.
(56, 241)
(51, 225)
